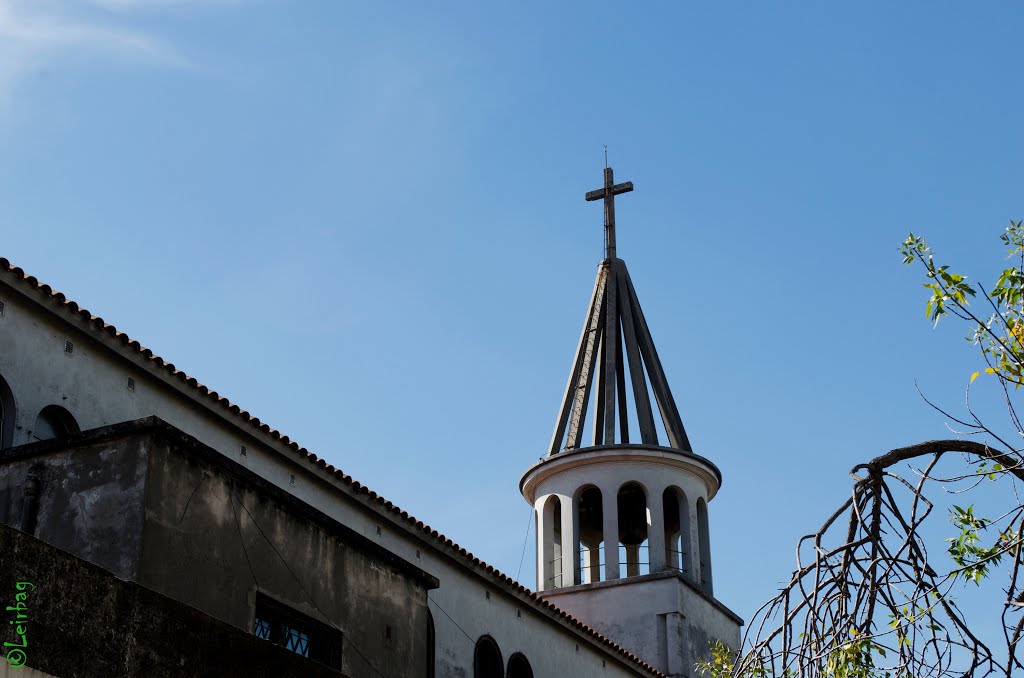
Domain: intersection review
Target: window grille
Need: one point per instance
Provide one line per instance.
(296, 640)
(262, 629)
(295, 631)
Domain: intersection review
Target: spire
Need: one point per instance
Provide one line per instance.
(615, 335)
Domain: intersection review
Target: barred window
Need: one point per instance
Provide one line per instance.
(297, 632)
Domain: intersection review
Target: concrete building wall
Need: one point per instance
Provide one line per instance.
(94, 502)
(667, 619)
(91, 383)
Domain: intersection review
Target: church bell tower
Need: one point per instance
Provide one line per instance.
(622, 511)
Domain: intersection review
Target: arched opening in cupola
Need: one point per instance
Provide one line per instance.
(551, 560)
(590, 516)
(677, 530)
(704, 538)
(634, 519)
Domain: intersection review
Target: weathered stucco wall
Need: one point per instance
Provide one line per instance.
(91, 383)
(90, 499)
(83, 622)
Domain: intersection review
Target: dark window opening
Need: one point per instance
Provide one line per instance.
(54, 423)
(676, 515)
(519, 667)
(296, 632)
(6, 415)
(633, 546)
(487, 659)
(705, 545)
(431, 642)
(590, 509)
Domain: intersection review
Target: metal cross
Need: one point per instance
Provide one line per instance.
(608, 193)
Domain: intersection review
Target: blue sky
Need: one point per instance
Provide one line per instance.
(365, 224)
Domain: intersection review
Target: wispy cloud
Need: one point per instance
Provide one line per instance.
(135, 5)
(38, 34)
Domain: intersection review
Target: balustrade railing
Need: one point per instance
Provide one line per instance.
(591, 572)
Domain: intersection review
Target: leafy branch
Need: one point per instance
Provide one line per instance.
(867, 598)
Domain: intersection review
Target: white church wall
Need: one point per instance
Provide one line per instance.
(91, 382)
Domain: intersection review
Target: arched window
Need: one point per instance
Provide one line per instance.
(590, 512)
(6, 415)
(705, 545)
(487, 659)
(431, 645)
(519, 667)
(633, 520)
(552, 568)
(54, 422)
(677, 530)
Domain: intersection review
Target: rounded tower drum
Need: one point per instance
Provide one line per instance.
(613, 511)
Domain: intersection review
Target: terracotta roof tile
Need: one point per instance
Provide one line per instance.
(507, 582)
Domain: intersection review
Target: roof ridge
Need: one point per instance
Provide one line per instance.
(113, 333)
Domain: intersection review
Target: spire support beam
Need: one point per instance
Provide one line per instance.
(641, 398)
(577, 390)
(609, 353)
(662, 393)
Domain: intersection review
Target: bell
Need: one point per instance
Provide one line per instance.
(632, 534)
